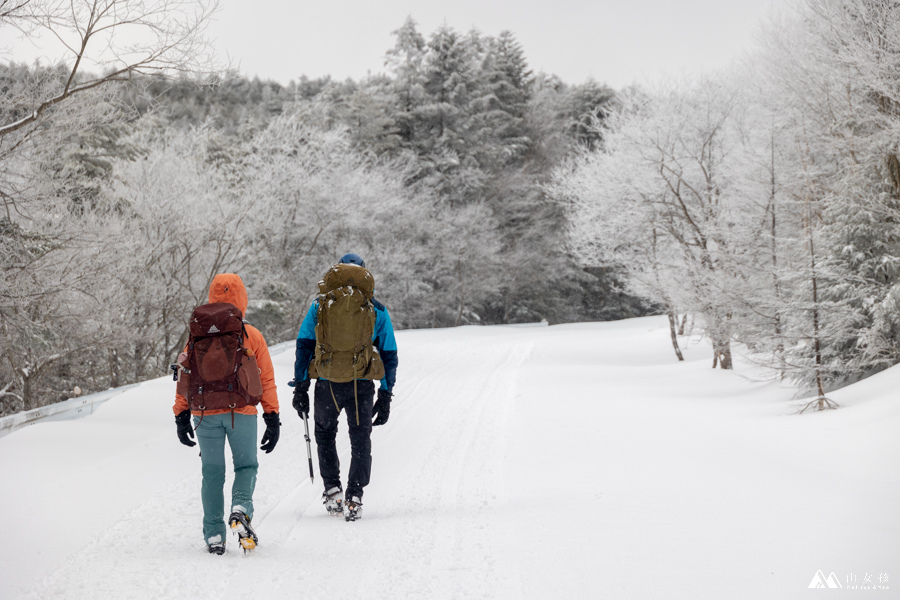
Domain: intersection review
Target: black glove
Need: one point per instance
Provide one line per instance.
(382, 409)
(273, 430)
(301, 398)
(183, 421)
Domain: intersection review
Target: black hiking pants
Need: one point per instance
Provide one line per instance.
(330, 399)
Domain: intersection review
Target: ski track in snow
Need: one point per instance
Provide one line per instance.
(425, 510)
(577, 461)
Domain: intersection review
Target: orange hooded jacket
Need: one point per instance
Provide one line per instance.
(228, 287)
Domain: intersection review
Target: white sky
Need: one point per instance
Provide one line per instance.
(612, 41)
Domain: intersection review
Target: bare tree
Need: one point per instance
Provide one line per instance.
(115, 39)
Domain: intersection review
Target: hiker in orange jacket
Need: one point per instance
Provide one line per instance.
(239, 427)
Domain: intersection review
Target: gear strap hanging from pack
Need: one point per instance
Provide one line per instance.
(355, 399)
(338, 408)
(202, 408)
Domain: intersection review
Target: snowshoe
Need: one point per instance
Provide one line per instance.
(331, 498)
(353, 510)
(216, 545)
(240, 524)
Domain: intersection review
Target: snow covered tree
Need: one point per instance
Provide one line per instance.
(406, 62)
(320, 197)
(53, 124)
(499, 101)
(193, 221)
(51, 246)
(833, 77)
(444, 117)
(662, 198)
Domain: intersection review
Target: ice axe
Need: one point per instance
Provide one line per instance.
(308, 450)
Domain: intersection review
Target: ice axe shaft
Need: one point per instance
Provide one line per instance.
(312, 477)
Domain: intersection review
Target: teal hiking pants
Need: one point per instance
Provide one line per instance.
(212, 432)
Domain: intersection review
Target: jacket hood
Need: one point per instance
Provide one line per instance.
(228, 287)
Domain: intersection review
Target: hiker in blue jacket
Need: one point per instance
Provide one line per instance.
(358, 397)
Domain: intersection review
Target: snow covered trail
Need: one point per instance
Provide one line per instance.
(575, 461)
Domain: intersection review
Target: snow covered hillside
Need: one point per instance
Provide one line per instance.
(573, 461)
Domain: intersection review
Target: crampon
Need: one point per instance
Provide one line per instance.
(240, 524)
(353, 509)
(331, 498)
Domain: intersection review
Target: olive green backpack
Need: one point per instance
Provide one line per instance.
(346, 322)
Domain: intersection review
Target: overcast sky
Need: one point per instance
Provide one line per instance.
(617, 42)
(612, 41)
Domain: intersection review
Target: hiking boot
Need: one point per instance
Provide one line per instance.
(216, 545)
(331, 498)
(240, 524)
(354, 508)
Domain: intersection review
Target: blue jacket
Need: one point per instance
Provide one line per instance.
(382, 338)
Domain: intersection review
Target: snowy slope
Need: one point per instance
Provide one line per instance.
(576, 461)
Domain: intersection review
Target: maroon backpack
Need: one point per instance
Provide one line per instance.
(218, 372)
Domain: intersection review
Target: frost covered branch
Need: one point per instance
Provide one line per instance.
(117, 38)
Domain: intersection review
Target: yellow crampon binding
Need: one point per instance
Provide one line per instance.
(240, 524)
(247, 543)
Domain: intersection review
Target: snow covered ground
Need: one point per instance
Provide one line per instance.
(573, 461)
